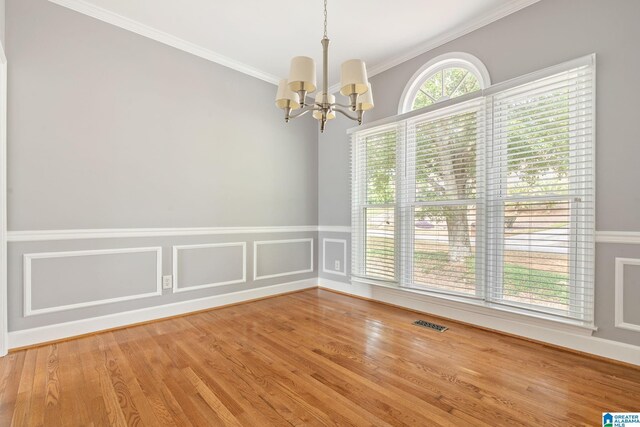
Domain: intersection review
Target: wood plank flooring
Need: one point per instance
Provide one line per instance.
(309, 358)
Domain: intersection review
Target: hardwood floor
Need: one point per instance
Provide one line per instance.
(310, 358)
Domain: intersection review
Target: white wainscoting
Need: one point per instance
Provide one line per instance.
(176, 270)
(27, 279)
(619, 293)
(59, 331)
(343, 242)
(256, 244)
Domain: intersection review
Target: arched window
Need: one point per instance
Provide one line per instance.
(444, 77)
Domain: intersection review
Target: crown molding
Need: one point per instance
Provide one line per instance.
(452, 34)
(86, 8)
(445, 37)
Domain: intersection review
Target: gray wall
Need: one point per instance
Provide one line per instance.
(2, 21)
(334, 171)
(109, 129)
(544, 34)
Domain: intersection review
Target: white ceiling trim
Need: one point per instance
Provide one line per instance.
(86, 8)
(453, 34)
(445, 38)
(104, 15)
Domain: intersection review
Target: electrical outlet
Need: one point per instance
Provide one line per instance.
(336, 265)
(167, 282)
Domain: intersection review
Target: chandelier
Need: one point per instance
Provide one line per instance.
(292, 92)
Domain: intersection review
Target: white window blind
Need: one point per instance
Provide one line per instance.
(541, 204)
(374, 214)
(490, 199)
(442, 200)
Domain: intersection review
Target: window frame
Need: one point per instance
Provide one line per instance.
(585, 239)
(408, 203)
(498, 197)
(437, 64)
(360, 204)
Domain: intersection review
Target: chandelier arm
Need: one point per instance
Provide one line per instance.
(303, 111)
(357, 118)
(344, 113)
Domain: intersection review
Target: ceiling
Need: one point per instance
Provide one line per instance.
(259, 37)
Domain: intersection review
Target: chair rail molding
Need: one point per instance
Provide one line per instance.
(111, 233)
(625, 237)
(334, 228)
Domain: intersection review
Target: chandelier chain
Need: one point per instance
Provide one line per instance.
(325, 19)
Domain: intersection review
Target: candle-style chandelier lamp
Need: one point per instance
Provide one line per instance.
(292, 92)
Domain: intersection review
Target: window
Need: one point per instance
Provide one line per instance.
(443, 78)
(488, 199)
(377, 202)
(541, 188)
(444, 84)
(441, 199)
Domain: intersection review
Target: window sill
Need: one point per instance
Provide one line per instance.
(481, 308)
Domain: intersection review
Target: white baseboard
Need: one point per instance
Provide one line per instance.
(572, 340)
(43, 334)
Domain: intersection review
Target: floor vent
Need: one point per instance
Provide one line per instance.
(430, 325)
